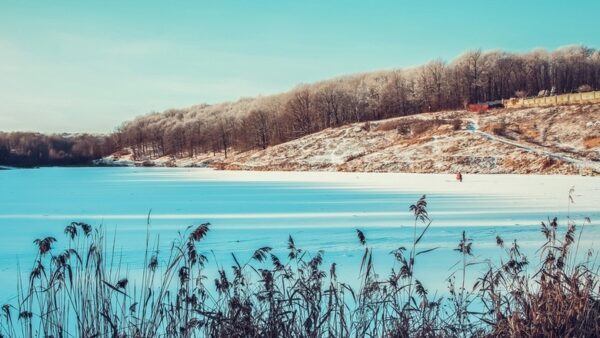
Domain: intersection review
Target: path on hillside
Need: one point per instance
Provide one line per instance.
(473, 127)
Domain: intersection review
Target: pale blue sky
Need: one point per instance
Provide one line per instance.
(69, 66)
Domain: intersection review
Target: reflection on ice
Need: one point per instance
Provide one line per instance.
(251, 210)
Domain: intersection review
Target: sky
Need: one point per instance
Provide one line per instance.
(87, 66)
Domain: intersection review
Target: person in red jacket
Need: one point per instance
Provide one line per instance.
(459, 177)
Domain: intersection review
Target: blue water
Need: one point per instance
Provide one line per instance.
(246, 215)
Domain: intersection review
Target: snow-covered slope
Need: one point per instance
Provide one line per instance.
(538, 140)
(557, 140)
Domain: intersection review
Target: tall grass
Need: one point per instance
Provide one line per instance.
(83, 291)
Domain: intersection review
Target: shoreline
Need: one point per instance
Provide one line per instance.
(526, 189)
(220, 167)
(529, 188)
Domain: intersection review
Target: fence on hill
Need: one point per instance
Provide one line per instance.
(556, 100)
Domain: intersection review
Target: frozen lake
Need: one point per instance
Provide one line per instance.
(321, 211)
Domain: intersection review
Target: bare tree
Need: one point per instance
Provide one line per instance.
(225, 131)
(299, 107)
(259, 121)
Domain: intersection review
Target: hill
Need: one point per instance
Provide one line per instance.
(555, 140)
(262, 122)
(333, 110)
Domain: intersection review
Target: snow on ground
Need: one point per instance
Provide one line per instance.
(537, 149)
(556, 140)
(530, 188)
(123, 158)
(537, 140)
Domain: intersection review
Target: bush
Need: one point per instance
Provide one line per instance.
(591, 142)
(495, 128)
(75, 292)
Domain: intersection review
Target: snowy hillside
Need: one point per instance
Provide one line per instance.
(557, 140)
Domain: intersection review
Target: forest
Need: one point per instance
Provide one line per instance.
(260, 122)
(263, 121)
(23, 149)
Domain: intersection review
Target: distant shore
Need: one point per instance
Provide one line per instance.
(549, 141)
